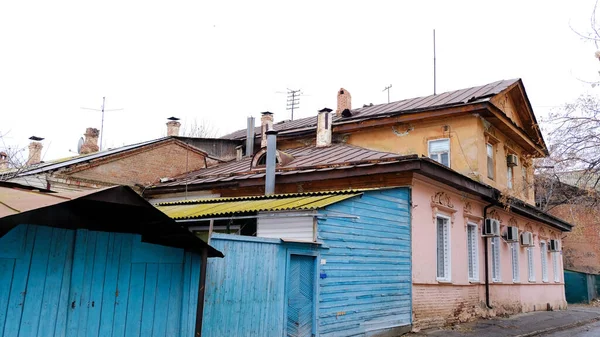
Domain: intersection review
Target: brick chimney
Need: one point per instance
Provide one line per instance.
(3, 161)
(35, 153)
(173, 126)
(266, 124)
(324, 119)
(90, 144)
(344, 101)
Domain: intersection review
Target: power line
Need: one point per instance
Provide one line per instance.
(102, 122)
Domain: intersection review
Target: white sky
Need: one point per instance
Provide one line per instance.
(222, 61)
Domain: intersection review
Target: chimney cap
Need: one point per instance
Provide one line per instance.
(173, 118)
(325, 110)
(266, 113)
(36, 138)
(271, 132)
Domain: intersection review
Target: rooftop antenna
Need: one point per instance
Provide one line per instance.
(293, 100)
(388, 90)
(102, 123)
(434, 67)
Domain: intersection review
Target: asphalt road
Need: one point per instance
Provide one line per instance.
(589, 330)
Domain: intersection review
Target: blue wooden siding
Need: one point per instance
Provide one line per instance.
(365, 283)
(245, 290)
(58, 282)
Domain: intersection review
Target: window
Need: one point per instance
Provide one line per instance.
(439, 150)
(544, 251)
(495, 259)
(443, 248)
(490, 160)
(514, 250)
(530, 269)
(509, 177)
(555, 267)
(472, 250)
(524, 180)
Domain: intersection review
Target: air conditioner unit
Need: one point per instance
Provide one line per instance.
(512, 234)
(554, 246)
(512, 160)
(491, 227)
(527, 239)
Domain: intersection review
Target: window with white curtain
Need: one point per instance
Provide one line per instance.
(472, 251)
(555, 267)
(490, 160)
(509, 177)
(544, 251)
(514, 250)
(443, 248)
(530, 269)
(495, 242)
(439, 150)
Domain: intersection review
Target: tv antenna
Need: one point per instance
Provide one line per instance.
(388, 90)
(434, 66)
(102, 123)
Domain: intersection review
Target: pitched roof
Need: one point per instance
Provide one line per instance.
(465, 96)
(66, 162)
(304, 158)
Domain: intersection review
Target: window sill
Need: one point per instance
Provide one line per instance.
(516, 282)
(531, 281)
(475, 281)
(496, 281)
(443, 281)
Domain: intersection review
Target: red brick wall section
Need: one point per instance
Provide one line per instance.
(581, 247)
(146, 167)
(435, 305)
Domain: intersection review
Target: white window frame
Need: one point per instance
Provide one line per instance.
(530, 264)
(429, 153)
(555, 266)
(474, 271)
(514, 259)
(544, 257)
(448, 256)
(495, 243)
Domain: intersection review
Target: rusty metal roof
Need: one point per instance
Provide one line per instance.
(281, 202)
(309, 158)
(447, 99)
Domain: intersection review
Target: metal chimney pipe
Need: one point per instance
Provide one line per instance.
(250, 137)
(271, 162)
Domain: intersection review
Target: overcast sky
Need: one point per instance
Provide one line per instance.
(221, 61)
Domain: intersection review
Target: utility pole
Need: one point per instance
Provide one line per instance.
(293, 100)
(434, 67)
(388, 90)
(102, 122)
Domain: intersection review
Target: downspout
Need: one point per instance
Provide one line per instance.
(487, 274)
(201, 288)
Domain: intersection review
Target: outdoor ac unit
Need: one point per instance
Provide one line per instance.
(491, 227)
(512, 160)
(527, 239)
(554, 246)
(512, 234)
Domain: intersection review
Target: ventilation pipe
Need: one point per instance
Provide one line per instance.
(90, 143)
(250, 137)
(324, 120)
(35, 150)
(266, 124)
(173, 127)
(271, 162)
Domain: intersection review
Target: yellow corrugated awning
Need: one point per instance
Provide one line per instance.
(225, 206)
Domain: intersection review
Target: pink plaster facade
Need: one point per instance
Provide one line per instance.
(440, 302)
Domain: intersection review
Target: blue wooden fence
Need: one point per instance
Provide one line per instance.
(58, 282)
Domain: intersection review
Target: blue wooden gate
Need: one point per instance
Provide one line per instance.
(300, 295)
(58, 282)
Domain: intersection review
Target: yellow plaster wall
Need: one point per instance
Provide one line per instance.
(505, 103)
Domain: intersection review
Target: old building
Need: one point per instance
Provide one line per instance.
(137, 165)
(479, 246)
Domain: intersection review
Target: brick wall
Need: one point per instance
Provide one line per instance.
(435, 305)
(581, 247)
(145, 167)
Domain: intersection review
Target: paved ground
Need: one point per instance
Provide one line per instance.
(540, 323)
(587, 330)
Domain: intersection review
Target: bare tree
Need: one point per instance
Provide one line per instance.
(13, 159)
(199, 129)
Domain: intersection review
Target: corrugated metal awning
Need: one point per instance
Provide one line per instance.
(222, 206)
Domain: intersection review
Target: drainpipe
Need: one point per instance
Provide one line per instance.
(250, 137)
(201, 288)
(487, 274)
(271, 162)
